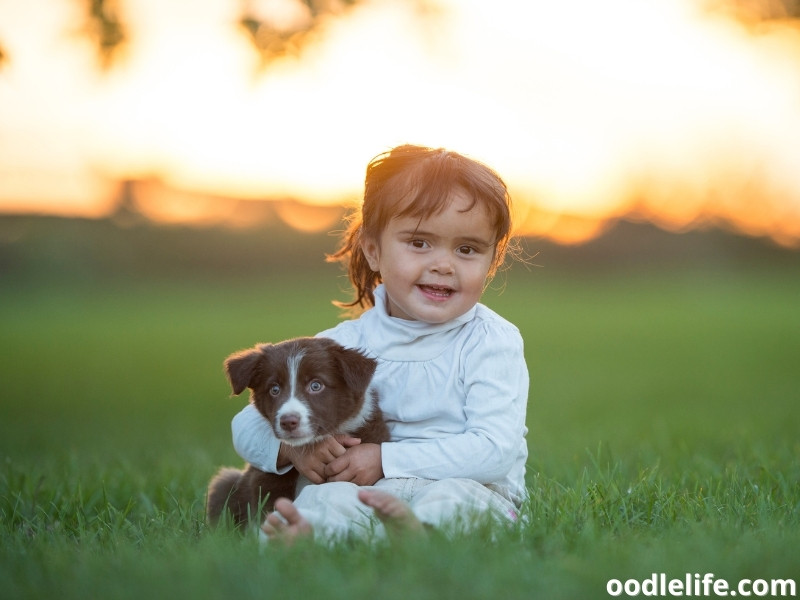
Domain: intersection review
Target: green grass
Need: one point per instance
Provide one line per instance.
(663, 434)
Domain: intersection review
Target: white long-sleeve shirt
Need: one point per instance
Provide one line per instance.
(454, 396)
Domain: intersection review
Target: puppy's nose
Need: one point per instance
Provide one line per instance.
(290, 421)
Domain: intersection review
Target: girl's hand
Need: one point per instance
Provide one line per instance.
(359, 464)
(312, 459)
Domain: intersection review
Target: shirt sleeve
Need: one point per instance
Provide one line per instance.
(254, 440)
(496, 393)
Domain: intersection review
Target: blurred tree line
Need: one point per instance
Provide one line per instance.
(46, 248)
(83, 251)
(276, 33)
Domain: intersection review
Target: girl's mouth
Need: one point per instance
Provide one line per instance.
(438, 291)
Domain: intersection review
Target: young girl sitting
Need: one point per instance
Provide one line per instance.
(453, 384)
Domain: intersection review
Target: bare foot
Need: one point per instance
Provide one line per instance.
(395, 514)
(286, 523)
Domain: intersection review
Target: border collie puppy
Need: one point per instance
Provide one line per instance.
(307, 389)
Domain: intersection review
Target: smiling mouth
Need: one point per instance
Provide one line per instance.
(440, 291)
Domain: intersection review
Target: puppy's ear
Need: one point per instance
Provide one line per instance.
(241, 367)
(356, 368)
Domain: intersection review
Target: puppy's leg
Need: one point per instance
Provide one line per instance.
(263, 489)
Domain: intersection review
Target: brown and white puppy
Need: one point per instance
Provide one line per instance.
(307, 389)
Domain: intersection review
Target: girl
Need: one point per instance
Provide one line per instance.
(433, 229)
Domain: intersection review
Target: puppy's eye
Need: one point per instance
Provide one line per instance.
(315, 386)
(274, 389)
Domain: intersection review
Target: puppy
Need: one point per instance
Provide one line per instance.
(307, 389)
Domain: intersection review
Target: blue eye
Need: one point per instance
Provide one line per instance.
(315, 386)
(274, 390)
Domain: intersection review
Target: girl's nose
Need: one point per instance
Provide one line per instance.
(442, 263)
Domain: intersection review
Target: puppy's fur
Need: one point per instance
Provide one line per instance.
(307, 389)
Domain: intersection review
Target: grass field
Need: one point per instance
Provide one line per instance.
(663, 420)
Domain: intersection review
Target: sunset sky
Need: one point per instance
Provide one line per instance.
(662, 110)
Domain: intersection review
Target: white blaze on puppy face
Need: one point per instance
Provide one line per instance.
(294, 405)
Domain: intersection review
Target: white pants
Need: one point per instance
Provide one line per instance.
(335, 512)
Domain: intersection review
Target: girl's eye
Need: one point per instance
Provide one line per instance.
(315, 386)
(274, 390)
(418, 244)
(466, 250)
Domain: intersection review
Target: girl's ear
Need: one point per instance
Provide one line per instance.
(372, 252)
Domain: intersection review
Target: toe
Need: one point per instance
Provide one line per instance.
(286, 509)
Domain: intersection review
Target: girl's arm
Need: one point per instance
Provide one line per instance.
(254, 441)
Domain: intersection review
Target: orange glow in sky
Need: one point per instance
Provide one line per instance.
(591, 111)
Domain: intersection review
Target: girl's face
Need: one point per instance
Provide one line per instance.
(434, 270)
